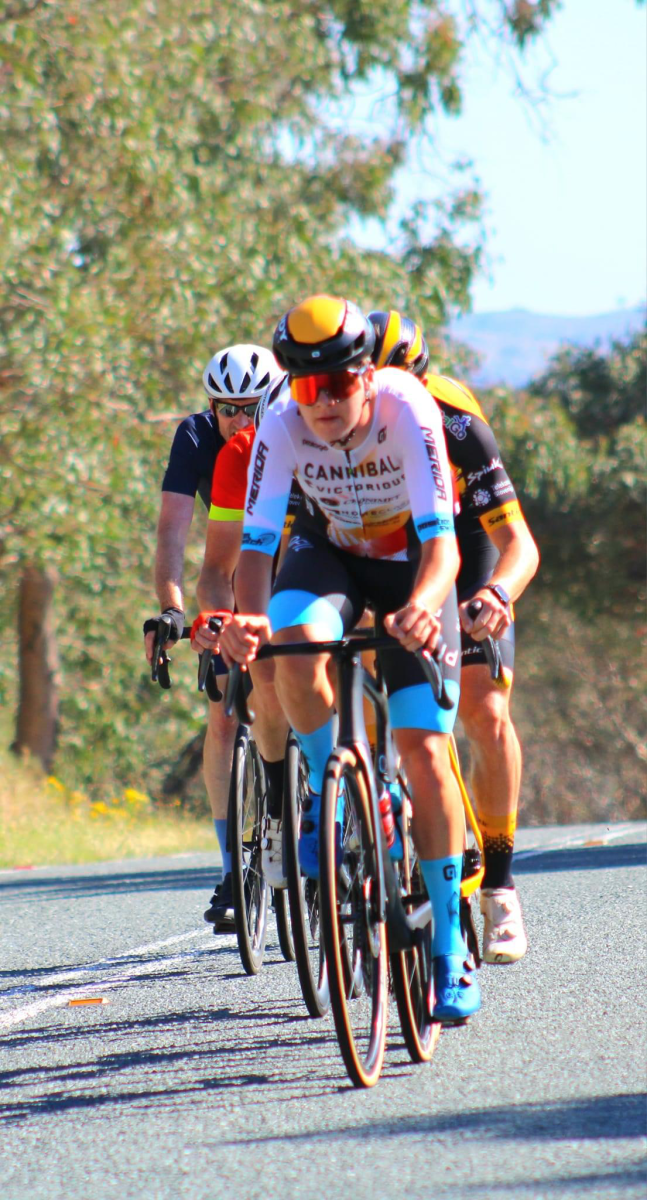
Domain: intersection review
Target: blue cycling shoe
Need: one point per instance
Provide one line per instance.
(457, 994)
(309, 835)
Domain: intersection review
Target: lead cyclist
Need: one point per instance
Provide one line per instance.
(376, 526)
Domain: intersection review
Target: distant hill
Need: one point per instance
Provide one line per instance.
(514, 347)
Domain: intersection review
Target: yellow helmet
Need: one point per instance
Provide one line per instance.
(399, 342)
(323, 333)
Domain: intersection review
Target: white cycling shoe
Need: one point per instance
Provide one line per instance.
(272, 852)
(504, 937)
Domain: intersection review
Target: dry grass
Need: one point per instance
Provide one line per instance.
(44, 823)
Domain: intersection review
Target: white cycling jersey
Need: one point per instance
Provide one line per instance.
(378, 500)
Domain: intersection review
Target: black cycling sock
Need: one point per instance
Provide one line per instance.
(274, 776)
(497, 854)
(498, 831)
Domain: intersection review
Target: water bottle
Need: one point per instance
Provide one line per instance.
(388, 820)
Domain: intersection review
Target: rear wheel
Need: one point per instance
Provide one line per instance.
(286, 941)
(412, 977)
(354, 936)
(246, 804)
(303, 894)
(411, 970)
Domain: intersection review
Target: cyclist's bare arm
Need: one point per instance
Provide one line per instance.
(250, 628)
(518, 563)
(175, 518)
(215, 586)
(215, 589)
(173, 527)
(415, 625)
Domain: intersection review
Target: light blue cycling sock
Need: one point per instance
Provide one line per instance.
(316, 748)
(221, 833)
(442, 878)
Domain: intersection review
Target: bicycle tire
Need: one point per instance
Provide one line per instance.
(283, 928)
(303, 894)
(249, 887)
(359, 998)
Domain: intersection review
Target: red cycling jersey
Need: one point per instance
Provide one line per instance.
(229, 482)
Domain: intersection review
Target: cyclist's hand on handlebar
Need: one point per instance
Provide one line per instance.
(492, 620)
(414, 626)
(243, 637)
(150, 629)
(204, 638)
(149, 642)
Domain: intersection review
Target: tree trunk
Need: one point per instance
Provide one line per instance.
(37, 721)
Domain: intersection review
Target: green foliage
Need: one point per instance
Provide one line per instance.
(601, 393)
(576, 442)
(169, 183)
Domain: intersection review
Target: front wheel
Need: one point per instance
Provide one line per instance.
(246, 807)
(353, 933)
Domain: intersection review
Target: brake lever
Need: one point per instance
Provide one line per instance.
(206, 676)
(430, 663)
(235, 698)
(159, 665)
(491, 650)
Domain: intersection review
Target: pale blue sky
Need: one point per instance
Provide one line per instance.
(566, 207)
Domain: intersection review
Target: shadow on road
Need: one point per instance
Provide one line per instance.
(69, 887)
(113, 1079)
(583, 858)
(622, 1116)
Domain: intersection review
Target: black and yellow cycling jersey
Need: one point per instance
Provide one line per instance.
(485, 492)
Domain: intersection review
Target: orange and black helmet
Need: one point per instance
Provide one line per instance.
(323, 333)
(399, 342)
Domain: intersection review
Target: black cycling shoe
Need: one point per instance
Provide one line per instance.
(220, 912)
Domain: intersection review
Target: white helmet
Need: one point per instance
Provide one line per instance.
(278, 387)
(240, 373)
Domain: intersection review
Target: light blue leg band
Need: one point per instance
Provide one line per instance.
(415, 708)
(304, 608)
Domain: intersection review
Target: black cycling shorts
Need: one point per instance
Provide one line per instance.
(320, 584)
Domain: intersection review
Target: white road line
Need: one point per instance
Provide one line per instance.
(104, 964)
(102, 985)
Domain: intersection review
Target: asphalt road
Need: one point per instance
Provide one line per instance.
(191, 1080)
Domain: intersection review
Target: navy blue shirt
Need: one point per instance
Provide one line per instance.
(193, 455)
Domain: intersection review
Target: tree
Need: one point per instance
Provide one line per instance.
(170, 184)
(575, 446)
(576, 442)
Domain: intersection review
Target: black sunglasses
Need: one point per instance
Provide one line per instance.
(232, 410)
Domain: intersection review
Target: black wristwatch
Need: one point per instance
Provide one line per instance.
(499, 592)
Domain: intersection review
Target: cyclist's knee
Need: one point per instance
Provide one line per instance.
(298, 674)
(485, 716)
(262, 674)
(424, 753)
